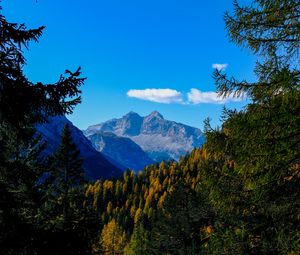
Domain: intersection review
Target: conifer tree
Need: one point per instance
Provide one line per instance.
(253, 166)
(67, 222)
(66, 179)
(113, 239)
(139, 243)
(176, 229)
(22, 105)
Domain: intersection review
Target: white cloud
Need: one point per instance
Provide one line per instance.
(168, 96)
(220, 67)
(165, 96)
(195, 96)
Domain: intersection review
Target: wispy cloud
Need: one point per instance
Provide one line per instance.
(165, 96)
(195, 96)
(220, 67)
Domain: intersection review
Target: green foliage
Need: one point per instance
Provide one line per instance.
(63, 216)
(64, 184)
(246, 176)
(270, 28)
(238, 194)
(177, 227)
(156, 206)
(253, 173)
(140, 243)
(22, 105)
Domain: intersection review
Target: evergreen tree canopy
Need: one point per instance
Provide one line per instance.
(270, 29)
(238, 194)
(22, 105)
(253, 170)
(177, 227)
(66, 179)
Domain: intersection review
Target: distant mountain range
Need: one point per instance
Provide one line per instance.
(159, 138)
(131, 142)
(95, 164)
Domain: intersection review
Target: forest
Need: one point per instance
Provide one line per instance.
(237, 194)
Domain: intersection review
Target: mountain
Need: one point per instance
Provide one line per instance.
(121, 149)
(161, 139)
(96, 165)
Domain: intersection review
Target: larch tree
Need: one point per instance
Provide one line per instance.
(176, 228)
(112, 239)
(253, 167)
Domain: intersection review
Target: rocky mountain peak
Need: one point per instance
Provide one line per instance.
(131, 115)
(154, 114)
(158, 137)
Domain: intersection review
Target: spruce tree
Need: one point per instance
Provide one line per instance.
(22, 105)
(66, 178)
(139, 243)
(63, 215)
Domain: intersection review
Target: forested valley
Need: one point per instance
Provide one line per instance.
(237, 194)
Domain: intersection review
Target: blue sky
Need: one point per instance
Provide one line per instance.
(137, 55)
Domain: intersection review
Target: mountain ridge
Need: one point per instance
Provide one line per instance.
(161, 139)
(95, 164)
(121, 149)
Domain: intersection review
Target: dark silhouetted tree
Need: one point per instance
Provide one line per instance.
(66, 179)
(22, 105)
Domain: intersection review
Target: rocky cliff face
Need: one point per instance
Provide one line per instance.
(161, 139)
(121, 149)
